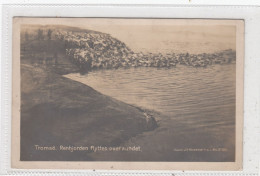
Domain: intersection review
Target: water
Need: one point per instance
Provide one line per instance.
(198, 107)
(183, 91)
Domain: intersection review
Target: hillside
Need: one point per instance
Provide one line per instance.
(58, 111)
(102, 51)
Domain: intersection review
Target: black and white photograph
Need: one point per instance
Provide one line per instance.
(127, 90)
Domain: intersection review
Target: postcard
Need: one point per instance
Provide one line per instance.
(127, 94)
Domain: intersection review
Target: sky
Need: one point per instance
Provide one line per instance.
(154, 36)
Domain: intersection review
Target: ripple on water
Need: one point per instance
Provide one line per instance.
(205, 96)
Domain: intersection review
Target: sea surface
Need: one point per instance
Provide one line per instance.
(198, 107)
(187, 92)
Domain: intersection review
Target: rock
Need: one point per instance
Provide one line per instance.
(151, 123)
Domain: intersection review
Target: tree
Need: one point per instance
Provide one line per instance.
(40, 34)
(26, 36)
(49, 34)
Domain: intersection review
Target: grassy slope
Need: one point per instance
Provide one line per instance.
(59, 111)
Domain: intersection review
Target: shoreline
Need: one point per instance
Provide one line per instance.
(55, 108)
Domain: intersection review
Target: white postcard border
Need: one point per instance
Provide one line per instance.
(251, 16)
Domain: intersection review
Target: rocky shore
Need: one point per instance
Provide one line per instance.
(91, 50)
(101, 51)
